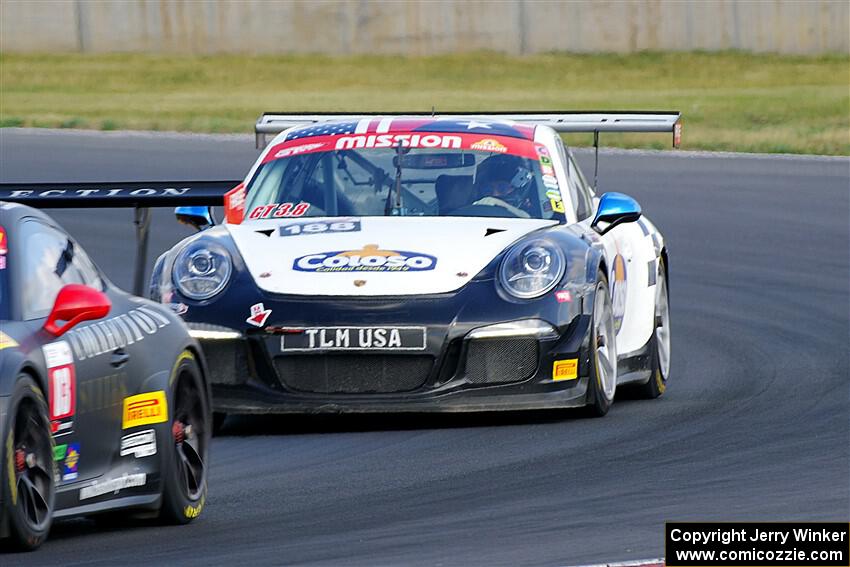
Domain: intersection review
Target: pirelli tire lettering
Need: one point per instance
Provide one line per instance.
(116, 332)
(192, 512)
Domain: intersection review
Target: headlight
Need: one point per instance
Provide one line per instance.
(532, 268)
(201, 270)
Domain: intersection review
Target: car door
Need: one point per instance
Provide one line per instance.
(631, 267)
(79, 418)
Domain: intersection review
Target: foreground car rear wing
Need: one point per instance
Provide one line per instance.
(138, 195)
(561, 121)
(117, 194)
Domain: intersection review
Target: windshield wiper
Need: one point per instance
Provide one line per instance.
(389, 207)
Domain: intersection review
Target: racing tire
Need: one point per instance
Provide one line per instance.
(602, 384)
(184, 459)
(659, 343)
(29, 487)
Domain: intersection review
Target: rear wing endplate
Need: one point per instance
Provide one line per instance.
(138, 195)
(272, 123)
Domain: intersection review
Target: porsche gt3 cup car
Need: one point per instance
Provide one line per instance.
(424, 263)
(104, 404)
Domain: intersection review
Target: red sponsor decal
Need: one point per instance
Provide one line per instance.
(295, 150)
(234, 204)
(4, 247)
(259, 315)
(409, 139)
(278, 210)
(563, 296)
(141, 407)
(62, 383)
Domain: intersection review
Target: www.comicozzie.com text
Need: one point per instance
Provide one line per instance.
(755, 534)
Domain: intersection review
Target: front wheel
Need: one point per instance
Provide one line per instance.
(184, 460)
(603, 352)
(29, 488)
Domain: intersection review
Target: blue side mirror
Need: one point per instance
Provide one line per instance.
(614, 209)
(200, 218)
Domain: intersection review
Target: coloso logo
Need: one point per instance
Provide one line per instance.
(371, 258)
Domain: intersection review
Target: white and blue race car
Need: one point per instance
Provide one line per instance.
(424, 263)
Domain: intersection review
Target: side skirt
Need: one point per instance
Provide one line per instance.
(142, 501)
(634, 367)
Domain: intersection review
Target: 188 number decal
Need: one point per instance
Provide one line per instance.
(319, 228)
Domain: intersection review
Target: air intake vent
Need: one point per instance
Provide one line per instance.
(354, 373)
(498, 361)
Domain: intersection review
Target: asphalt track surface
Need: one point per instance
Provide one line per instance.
(755, 424)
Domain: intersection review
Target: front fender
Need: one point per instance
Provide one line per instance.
(155, 288)
(12, 361)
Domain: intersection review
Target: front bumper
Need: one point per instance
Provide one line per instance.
(458, 371)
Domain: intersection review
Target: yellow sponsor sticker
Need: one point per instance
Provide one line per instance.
(565, 370)
(144, 409)
(557, 205)
(489, 145)
(6, 341)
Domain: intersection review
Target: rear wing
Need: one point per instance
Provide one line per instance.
(137, 195)
(120, 194)
(272, 123)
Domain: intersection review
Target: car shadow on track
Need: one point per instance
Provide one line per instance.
(248, 425)
(288, 424)
(98, 525)
(258, 425)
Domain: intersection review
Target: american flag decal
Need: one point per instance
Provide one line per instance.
(388, 124)
(322, 129)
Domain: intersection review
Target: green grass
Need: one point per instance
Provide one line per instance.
(730, 101)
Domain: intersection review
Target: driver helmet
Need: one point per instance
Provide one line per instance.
(504, 177)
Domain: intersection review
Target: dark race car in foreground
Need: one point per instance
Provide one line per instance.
(104, 404)
(424, 263)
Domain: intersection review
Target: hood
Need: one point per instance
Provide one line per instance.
(373, 256)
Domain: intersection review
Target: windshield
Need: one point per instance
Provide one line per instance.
(412, 174)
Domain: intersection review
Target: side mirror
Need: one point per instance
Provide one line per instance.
(76, 303)
(200, 218)
(614, 209)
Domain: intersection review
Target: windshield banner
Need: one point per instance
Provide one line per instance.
(437, 140)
